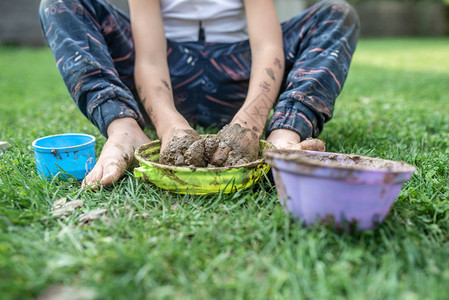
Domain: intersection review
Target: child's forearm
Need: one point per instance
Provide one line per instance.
(155, 92)
(151, 68)
(267, 66)
(266, 78)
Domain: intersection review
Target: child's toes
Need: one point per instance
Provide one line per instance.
(112, 172)
(93, 178)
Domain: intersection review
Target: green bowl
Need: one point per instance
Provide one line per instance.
(197, 181)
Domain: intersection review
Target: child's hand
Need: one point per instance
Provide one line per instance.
(238, 145)
(175, 145)
(185, 147)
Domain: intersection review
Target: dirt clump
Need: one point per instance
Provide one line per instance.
(189, 149)
(201, 151)
(337, 160)
(238, 145)
(233, 145)
(312, 145)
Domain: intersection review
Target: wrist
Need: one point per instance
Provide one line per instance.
(245, 120)
(170, 122)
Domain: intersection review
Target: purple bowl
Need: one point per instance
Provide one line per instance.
(339, 188)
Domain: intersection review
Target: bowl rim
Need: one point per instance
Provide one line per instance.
(404, 168)
(143, 162)
(41, 148)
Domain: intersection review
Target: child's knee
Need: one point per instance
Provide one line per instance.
(339, 6)
(49, 8)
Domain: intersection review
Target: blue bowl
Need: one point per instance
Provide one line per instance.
(64, 155)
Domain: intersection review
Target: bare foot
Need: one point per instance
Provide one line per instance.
(125, 135)
(288, 139)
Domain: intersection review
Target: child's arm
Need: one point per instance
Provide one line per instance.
(267, 71)
(267, 67)
(151, 69)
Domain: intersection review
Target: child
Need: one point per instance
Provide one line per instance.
(206, 62)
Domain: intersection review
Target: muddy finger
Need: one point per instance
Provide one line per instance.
(221, 155)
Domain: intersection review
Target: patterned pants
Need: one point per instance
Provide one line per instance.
(94, 51)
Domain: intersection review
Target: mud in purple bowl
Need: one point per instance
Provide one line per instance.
(65, 155)
(345, 190)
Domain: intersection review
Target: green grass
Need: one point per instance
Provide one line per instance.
(241, 246)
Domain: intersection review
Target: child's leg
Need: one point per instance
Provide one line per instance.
(318, 47)
(94, 53)
(227, 73)
(210, 81)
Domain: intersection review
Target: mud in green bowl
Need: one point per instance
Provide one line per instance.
(197, 181)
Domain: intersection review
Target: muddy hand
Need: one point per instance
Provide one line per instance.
(237, 145)
(182, 148)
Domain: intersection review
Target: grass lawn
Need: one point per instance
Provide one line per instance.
(395, 105)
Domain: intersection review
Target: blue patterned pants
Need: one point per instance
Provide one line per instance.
(94, 51)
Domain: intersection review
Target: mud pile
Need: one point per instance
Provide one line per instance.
(233, 145)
